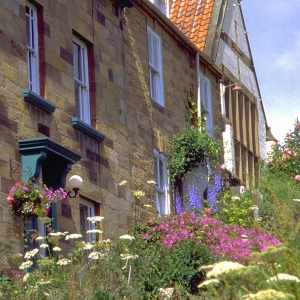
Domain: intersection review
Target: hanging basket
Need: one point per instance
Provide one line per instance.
(28, 200)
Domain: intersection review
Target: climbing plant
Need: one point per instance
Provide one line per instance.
(193, 146)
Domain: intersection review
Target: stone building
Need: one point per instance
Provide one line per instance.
(95, 88)
(218, 29)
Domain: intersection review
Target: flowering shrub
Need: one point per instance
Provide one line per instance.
(284, 158)
(267, 277)
(231, 241)
(29, 200)
(237, 210)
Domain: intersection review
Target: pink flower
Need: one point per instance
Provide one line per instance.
(288, 151)
(223, 167)
(207, 211)
(270, 160)
(297, 177)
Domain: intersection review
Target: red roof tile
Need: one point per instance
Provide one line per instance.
(192, 17)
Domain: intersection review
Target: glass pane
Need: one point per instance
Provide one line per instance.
(29, 61)
(83, 221)
(33, 46)
(77, 98)
(28, 31)
(161, 203)
(77, 62)
(153, 82)
(150, 48)
(156, 174)
(155, 62)
(203, 92)
(161, 174)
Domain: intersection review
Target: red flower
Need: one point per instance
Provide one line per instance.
(207, 211)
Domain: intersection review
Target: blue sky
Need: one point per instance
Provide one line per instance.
(273, 28)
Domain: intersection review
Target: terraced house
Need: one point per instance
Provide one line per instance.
(218, 29)
(96, 88)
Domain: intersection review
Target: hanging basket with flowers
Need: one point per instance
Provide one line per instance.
(29, 200)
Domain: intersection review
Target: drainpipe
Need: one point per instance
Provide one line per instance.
(198, 86)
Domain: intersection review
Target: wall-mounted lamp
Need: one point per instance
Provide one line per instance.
(235, 88)
(75, 182)
(236, 4)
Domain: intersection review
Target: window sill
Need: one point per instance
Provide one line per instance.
(38, 101)
(87, 129)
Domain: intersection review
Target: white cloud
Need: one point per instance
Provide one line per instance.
(289, 60)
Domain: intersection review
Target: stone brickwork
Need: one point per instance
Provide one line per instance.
(121, 106)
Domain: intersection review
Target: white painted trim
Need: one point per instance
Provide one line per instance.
(155, 66)
(162, 189)
(90, 213)
(32, 49)
(83, 102)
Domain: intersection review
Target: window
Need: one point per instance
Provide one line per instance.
(87, 209)
(155, 64)
(162, 197)
(205, 97)
(80, 64)
(32, 47)
(162, 5)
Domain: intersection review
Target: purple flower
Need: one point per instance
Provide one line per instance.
(178, 204)
(212, 197)
(218, 182)
(194, 198)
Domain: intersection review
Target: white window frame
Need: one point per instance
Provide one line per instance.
(81, 79)
(32, 48)
(162, 5)
(90, 212)
(162, 193)
(155, 66)
(206, 100)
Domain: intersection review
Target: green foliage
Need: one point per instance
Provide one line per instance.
(279, 206)
(237, 210)
(193, 145)
(266, 277)
(164, 267)
(189, 149)
(284, 160)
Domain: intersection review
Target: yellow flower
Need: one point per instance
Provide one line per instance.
(138, 194)
(126, 237)
(269, 295)
(223, 267)
(26, 264)
(282, 276)
(63, 262)
(151, 182)
(208, 282)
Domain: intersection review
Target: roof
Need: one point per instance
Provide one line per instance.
(193, 18)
